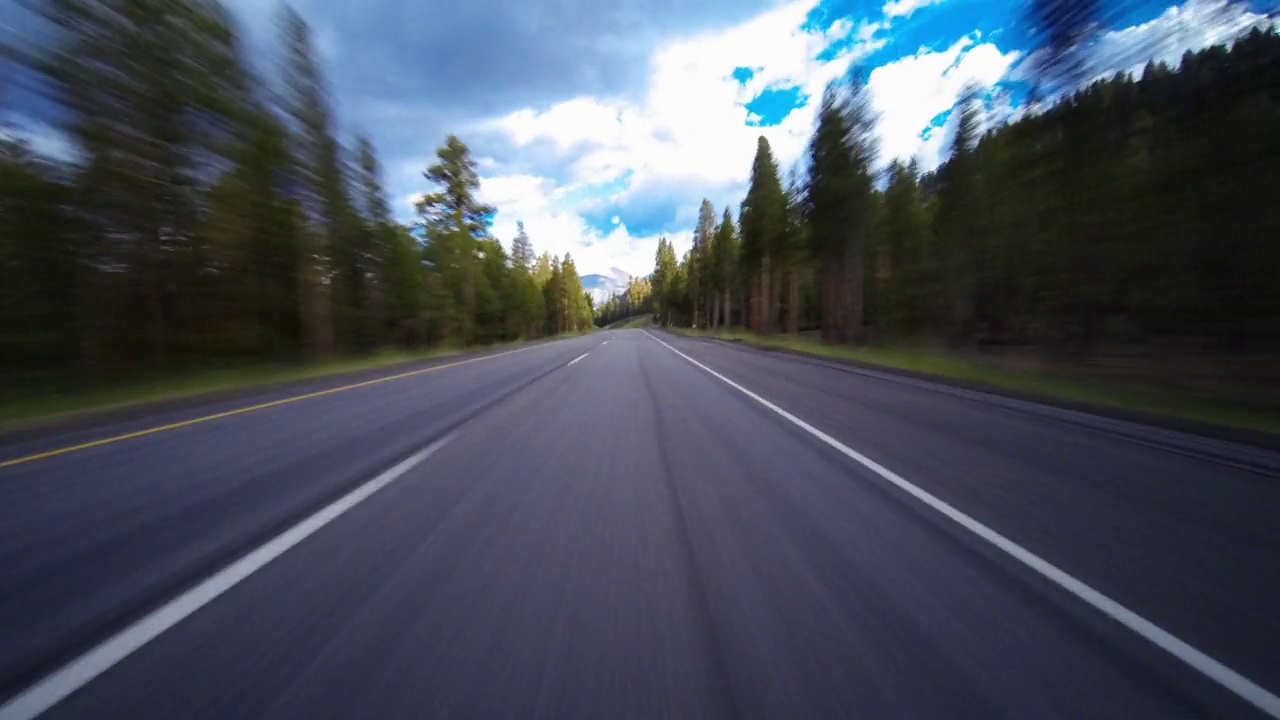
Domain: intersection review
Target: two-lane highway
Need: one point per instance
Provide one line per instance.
(635, 525)
(88, 537)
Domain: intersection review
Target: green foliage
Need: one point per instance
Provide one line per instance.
(841, 203)
(905, 267)
(209, 219)
(457, 232)
(763, 225)
(762, 209)
(699, 269)
(42, 262)
(1137, 216)
(522, 249)
(636, 300)
(725, 251)
(665, 282)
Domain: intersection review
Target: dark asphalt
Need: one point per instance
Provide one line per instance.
(628, 536)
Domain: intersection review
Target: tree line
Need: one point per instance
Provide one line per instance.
(1139, 212)
(211, 214)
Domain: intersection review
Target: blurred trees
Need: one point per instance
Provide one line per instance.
(1138, 211)
(839, 205)
(209, 216)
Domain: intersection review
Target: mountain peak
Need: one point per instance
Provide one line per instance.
(603, 287)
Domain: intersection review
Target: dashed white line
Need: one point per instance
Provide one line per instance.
(1223, 675)
(77, 673)
(606, 342)
(570, 363)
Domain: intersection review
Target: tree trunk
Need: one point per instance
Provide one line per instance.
(152, 277)
(316, 328)
(852, 297)
(828, 307)
(715, 310)
(728, 308)
(767, 314)
(844, 299)
(793, 302)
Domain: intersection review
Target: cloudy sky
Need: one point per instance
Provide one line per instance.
(603, 123)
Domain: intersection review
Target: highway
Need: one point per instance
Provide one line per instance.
(634, 524)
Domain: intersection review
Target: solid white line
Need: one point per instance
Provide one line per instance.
(570, 363)
(76, 674)
(1225, 676)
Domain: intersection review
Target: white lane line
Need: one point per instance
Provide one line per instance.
(606, 342)
(1223, 675)
(570, 363)
(76, 674)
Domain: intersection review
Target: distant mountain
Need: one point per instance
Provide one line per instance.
(603, 287)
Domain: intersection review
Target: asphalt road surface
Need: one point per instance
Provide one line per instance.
(635, 525)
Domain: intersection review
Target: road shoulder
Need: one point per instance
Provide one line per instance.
(1164, 430)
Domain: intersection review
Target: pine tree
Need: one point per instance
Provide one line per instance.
(542, 269)
(698, 272)
(374, 239)
(43, 270)
(724, 255)
(762, 223)
(957, 221)
(402, 276)
(839, 203)
(792, 256)
(455, 221)
(493, 292)
(521, 248)
(664, 276)
(910, 285)
(318, 185)
(553, 298)
(529, 307)
(153, 95)
(254, 236)
(575, 303)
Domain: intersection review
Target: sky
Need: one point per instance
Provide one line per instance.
(602, 124)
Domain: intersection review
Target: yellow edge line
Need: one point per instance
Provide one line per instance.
(243, 410)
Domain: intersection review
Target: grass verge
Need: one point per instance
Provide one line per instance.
(635, 321)
(1057, 383)
(50, 406)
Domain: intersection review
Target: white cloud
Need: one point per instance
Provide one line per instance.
(692, 123)
(579, 120)
(904, 8)
(689, 133)
(691, 127)
(1192, 26)
(517, 193)
(909, 93)
(555, 226)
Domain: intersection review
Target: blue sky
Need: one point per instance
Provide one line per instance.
(689, 130)
(602, 125)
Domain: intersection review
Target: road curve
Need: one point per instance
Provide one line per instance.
(651, 526)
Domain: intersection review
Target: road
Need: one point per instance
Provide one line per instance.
(635, 524)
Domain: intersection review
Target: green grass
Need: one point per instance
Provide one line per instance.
(635, 321)
(1064, 383)
(54, 405)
